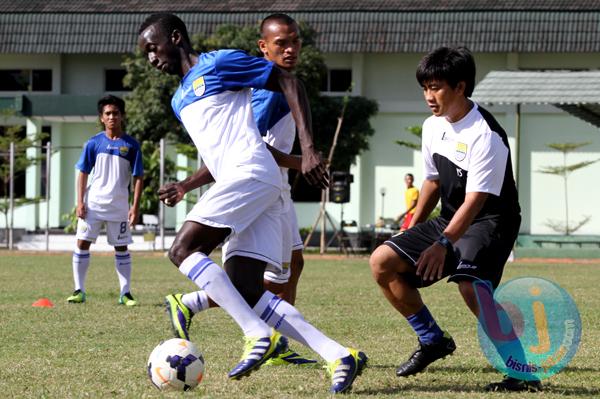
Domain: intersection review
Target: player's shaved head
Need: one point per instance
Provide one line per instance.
(279, 18)
(166, 23)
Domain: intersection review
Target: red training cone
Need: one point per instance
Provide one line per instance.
(43, 303)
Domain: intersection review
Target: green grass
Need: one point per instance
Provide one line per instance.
(100, 349)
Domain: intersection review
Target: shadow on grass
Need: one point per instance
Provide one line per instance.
(455, 388)
(438, 369)
(421, 387)
(571, 391)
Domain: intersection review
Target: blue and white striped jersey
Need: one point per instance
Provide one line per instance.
(275, 122)
(213, 102)
(113, 162)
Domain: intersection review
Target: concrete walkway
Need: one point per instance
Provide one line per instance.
(66, 242)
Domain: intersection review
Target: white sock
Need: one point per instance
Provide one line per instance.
(123, 268)
(211, 278)
(286, 319)
(196, 301)
(81, 263)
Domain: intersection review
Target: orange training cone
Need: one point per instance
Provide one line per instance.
(43, 303)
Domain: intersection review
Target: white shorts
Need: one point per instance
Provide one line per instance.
(291, 241)
(117, 233)
(252, 210)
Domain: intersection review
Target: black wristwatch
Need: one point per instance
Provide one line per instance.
(445, 242)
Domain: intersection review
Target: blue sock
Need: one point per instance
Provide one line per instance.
(425, 326)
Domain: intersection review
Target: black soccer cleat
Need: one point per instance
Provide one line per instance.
(425, 355)
(510, 384)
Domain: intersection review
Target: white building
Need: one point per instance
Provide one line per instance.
(57, 58)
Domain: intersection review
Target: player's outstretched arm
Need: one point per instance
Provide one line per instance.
(134, 211)
(172, 193)
(313, 167)
(82, 179)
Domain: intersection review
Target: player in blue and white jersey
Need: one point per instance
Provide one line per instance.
(280, 42)
(213, 102)
(111, 157)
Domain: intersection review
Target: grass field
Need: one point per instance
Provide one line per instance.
(100, 349)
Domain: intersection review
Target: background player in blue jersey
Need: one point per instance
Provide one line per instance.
(112, 157)
(244, 205)
(468, 166)
(280, 43)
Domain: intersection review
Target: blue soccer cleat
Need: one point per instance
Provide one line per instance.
(256, 352)
(345, 370)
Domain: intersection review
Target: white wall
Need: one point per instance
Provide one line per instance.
(84, 74)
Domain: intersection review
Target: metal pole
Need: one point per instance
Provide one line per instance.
(161, 206)
(517, 144)
(48, 163)
(11, 191)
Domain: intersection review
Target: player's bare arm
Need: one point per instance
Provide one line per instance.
(172, 193)
(430, 264)
(81, 185)
(286, 160)
(134, 211)
(428, 199)
(313, 167)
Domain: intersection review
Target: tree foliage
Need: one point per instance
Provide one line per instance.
(564, 171)
(416, 131)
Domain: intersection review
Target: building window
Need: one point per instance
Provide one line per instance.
(337, 80)
(25, 79)
(113, 79)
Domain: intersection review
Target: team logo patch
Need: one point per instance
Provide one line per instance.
(199, 86)
(461, 151)
(123, 150)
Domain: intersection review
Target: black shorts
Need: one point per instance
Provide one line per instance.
(480, 254)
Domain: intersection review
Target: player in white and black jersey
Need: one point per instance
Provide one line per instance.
(213, 102)
(468, 167)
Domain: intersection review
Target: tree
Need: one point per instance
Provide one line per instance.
(15, 134)
(416, 131)
(564, 171)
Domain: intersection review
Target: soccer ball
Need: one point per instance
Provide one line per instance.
(176, 364)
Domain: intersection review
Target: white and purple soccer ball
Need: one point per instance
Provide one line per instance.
(176, 365)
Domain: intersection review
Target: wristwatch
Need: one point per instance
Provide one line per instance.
(445, 242)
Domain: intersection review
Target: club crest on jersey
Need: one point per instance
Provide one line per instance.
(199, 86)
(123, 150)
(461, 151)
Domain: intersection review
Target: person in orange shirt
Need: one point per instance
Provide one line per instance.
(410, 197)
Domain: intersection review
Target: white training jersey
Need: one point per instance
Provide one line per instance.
(275, 122)
(470, 155)
(213, 102)
(111, 163)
